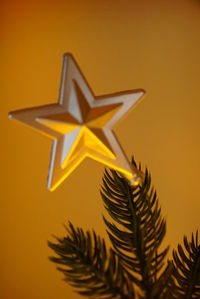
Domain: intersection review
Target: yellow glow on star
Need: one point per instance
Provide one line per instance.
(60, 127)
(87, 154)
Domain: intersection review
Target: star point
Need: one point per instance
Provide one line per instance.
(80, 125)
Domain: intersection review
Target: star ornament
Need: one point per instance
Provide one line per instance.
(80, 125)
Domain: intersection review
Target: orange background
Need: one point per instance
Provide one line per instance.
(119, 45)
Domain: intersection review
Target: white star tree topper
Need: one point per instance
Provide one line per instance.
(80, 125)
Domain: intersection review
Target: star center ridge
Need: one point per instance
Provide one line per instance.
(82, 129)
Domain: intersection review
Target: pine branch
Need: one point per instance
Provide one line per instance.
(185, 283)
(137, 231)
(87, 266)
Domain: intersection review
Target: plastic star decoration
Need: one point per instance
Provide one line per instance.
(80, 125)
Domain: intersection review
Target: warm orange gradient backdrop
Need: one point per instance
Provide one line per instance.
(119, 45)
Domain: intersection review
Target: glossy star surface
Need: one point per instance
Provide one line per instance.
(80, 125)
